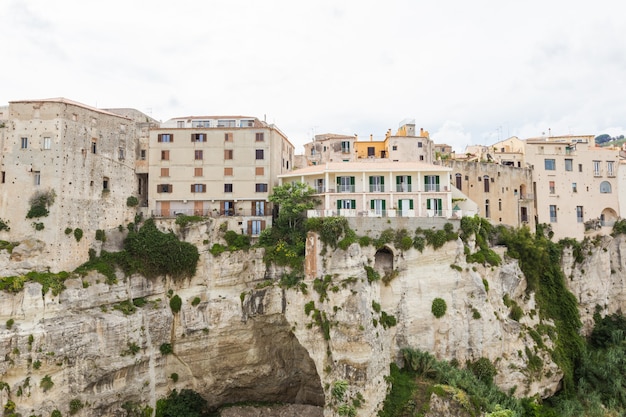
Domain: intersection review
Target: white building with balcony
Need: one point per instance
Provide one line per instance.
(375, 188)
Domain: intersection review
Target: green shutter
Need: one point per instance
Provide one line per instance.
(408, 179)
(371, 180)
(400, 205)
(428, 204)
(437, 180)
(384, 204)
(351, 180)
(410, 204)
(372, 204)
(338, 204)
(382, 180)
(353, 204)
(338, 182)
(398, 180)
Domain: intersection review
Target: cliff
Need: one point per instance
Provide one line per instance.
(239, 336)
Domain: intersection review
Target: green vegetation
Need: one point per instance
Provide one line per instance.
(166, 349)
(10, 323)
(184, 220)
(46, 383)
(78, 234)
(439, 307)
(132, 349)
(75, 406)
(56, 413)
(38, 226)
(484, 233)
(174, 377)
(101, 235)
(4, 225)
(176, 303)
(40, 202)
(195, 301)
(48, 280)
(371, 273)
(186, 404)
(132, 201)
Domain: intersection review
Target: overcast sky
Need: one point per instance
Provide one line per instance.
(470, 72)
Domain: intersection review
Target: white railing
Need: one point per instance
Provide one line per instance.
(388, 213)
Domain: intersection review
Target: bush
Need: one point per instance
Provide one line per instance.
(100, 235)
(236, 241)
(195, 301)
(183, 220)
(39, 203)
(186, 404)
(217, 249)
(68, 230)
(75, 406)
(132, 201)
(39, 226)
(46, 383)
(10, 323)
(176, 303)
(56, 413)
(166, 349)
(439, 307)
(78, 234)
(483, 369)
(174, 377)
(4, 225)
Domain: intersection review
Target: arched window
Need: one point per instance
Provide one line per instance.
(486, 182)
(605, 187)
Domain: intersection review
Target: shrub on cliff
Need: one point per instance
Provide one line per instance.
(159, 253)
(186, 404)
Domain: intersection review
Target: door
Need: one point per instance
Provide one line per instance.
(198, 208)
(405, 206)
(165, 208)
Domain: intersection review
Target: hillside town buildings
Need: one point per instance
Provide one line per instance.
(87, 162)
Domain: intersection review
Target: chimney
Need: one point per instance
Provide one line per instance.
(421, 132)
(371, 137)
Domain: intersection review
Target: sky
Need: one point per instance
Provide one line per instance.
(469, 72)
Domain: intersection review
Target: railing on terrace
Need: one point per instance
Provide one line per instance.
(381, 189)
(388, 213)
(403, 188)
(212, 213)
(526, 196)
(377, 188)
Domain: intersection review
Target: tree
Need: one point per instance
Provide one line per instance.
(602, 138)
(186, 404)
(293, 201)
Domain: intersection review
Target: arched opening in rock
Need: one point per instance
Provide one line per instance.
(383, 261)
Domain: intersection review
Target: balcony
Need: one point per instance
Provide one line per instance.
(450, 214)
(432, 188)
(346, 188)
(403, 188)
(377, 188)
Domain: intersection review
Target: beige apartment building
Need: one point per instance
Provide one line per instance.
(216, 166)
(83, 156)
(375, 188)
(575, 184)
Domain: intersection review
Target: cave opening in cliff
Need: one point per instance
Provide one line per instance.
(383, 260)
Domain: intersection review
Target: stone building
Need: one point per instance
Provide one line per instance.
(82, 158)
(217, 166)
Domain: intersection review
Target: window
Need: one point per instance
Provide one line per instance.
(549, 164)
(259, 171)
(121, 154)
(165, 137)
(180, 124)
(261, 188)
(345, 184)
(105, 184)
(228, 208)
(24, 143)
(377, 184)
(228, 171)
(403, 183)
(569, 165)
(419, 144)
(394, 148)
(551, 187)
(4, 177)
(486, 183)
(431, 183)
(345, 146)
(37, 175)
(198, 137)
(258, 208)
(346, 204)
(47, 143)
(197, 172)
(371, 151)
(605, 187)
(487, 210)
(201, 123)
(142, 154)
(228, 188)
(164, 188)
(574, 188)
(596, 168)
(228, 137)
(421, 157)
(255, 227)
(379, 206)
(579, 214)
(165, 172)
(260, 136)
(197, 155)
(260, 154)
(499, 204)
(198, 188)
(434, 205)
(228, 154)
(165, 155)
(580, 167)
(552, 213)
(609, 168)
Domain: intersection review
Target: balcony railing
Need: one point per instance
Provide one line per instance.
(403, 188)
(212, 212)
(377, 188)
(345, 188)
(431, 187)
(389, 213)
(527, 196)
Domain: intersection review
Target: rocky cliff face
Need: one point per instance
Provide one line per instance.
(240, 337)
